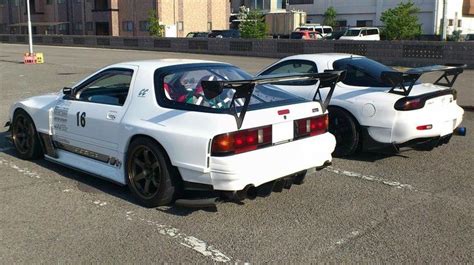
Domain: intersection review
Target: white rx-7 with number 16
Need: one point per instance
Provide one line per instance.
(165, 126)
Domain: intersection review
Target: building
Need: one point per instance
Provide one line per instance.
(113, 17)
(460, 13)
(267, 6)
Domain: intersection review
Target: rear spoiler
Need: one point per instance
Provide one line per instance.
(403, 82)
(244, 88)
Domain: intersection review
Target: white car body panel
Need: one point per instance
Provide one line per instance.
(373, 107)
(184, 135)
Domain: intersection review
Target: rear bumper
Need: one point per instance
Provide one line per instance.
(421, 144)
(234, 173)
(404, 132)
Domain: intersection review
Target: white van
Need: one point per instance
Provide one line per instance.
(361, 34)
(323, 30)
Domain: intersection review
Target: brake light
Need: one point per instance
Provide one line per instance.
(241, 141)
(311, 126)
(409, 103)
(424, 127)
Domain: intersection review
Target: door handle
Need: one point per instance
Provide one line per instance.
(111, 115)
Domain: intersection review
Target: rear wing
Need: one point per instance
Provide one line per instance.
(403, 82)
(244, 88)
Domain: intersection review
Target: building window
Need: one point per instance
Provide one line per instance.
(127, 25)
(144, 25)
(78, 26)
(450, 22)
(209, 26)
(459, 23)
(101, 4)
(61, 1)
(62, 27)
(180, 26)
(301, 2)
(49, 2)
(364, 23)
(341, 23)
(89, 26)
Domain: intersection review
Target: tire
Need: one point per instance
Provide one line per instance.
(346, 130)
(25, 137)
(150, 176)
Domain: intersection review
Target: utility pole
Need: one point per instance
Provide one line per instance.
(445, 19)
(30, 34)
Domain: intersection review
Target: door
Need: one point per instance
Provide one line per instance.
(87, 122)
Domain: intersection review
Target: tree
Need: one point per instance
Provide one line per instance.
(401, 22)
(154, 27)
(330, 17)
(253, 24)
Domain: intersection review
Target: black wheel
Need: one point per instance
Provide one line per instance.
(346, 130)
(25, 137)
(151, 178)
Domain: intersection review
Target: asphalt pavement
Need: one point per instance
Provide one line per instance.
(411, 207)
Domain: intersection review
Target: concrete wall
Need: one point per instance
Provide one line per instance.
(402, 53)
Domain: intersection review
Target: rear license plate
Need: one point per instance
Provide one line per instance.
(282, 132)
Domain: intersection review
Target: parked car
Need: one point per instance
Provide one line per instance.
(230, 33)
(335, 35)
(469, 37)
(364, 33)
(323, 30)
(163, 126)
(197, 35)
(377, 107)
(305, 35)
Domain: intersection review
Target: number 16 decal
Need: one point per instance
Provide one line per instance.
(81, 119)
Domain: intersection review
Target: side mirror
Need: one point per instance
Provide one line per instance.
(67, 91)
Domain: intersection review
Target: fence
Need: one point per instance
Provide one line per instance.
(402, 53)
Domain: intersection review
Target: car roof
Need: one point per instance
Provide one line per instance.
(159, 63)
(363, 28)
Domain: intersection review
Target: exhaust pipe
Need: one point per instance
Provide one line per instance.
(461, 131)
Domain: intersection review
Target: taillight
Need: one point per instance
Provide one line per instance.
(241, 141)
(311, 126)
(409, 103)
(424, 127)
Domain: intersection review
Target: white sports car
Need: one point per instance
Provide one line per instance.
(164, 126)
(377, 107)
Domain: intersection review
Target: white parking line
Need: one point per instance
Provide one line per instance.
(191, 242)
(390, 183)
(24, 171)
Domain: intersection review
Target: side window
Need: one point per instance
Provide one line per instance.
(373, 32)
(293, 67)
(356, 76)
(108, 87)
(364, 32)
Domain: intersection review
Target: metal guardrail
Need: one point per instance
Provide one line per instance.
(403, 53)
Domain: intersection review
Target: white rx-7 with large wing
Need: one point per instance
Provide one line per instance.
(376, 107)
(164, 126)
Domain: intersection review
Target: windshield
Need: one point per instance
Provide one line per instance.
(361, 71)
(352, 32)
(182, 89)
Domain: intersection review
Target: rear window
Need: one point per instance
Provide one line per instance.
(180, 88)
(361, 71)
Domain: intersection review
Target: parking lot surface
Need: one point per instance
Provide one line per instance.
(411, 207)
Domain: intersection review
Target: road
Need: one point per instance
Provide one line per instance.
(411, 207)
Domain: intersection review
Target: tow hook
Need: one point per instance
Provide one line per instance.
(461, 131)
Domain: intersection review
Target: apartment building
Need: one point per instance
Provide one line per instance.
(113, 17)
(460, 13)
